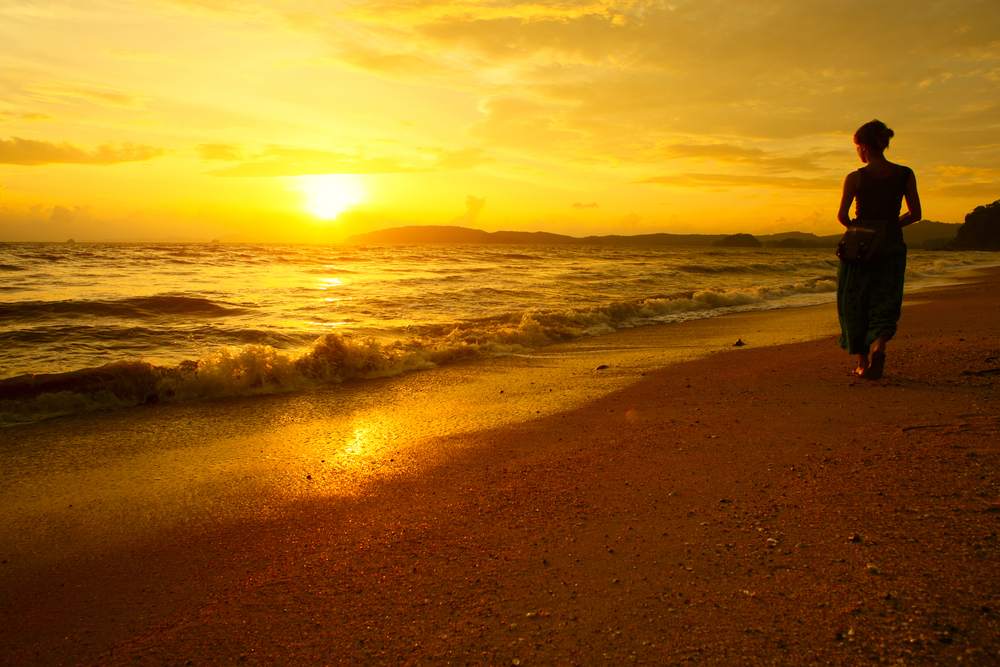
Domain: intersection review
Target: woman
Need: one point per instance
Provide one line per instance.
(870, 296)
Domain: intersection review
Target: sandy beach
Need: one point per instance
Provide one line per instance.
(758, 505)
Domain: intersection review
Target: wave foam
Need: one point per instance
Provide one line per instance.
(335, 357)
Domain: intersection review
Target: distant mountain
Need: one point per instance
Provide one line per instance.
(923, 234)
(738, 241)
(929, 234)
(687, 240)
(449, 234)
(452, 234)
(799, 240)
(981, 230)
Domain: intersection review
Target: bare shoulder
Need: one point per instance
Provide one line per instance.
(903, 168)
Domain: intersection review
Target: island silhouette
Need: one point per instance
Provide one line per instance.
(926, 234)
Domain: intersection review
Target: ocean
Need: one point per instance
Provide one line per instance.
(96, 326)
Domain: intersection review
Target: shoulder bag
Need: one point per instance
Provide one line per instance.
(862, 242)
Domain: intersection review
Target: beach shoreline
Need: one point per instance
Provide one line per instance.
(748, 506)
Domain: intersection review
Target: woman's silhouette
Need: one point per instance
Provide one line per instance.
(870, 296)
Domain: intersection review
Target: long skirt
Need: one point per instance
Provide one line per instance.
(870, 298)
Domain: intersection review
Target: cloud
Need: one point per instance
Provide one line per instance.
(29, 116)
(522, 123)
(221, 152)
(473, 205)
(648, 71)
(768, 85)
(751, 180)
(43, 223)
(702, 94)
(72, 93)
(231, 7)
(465, 158)
(963, 171)
(128, 54)
(34, 152)
(397, 65)
(65, 215)
(581, 205)
(986, 191)
(276, 161)
(630, 221)
(733, 154)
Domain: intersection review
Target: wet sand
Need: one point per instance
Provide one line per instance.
(755, 506)
(75, 485)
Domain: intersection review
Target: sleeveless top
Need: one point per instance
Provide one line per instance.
(882, 198)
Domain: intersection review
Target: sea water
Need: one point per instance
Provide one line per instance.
(90, 326)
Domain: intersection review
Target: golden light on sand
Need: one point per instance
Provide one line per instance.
(330, 195)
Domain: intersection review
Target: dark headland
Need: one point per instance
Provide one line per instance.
(924, 234)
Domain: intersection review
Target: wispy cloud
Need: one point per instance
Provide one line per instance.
(67, 93)
(131, 54)
(759, 70)
(465, 158)
(473, 205)
(277, 161)
(527, 102)
(35, 152)
(988, 191)
(523, 124)
(746, 180)
(220, 152)
(733, 154)
(28, 116)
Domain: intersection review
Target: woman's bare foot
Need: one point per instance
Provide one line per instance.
(862, 365)
(872, 370)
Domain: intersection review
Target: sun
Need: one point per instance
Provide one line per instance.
(330, 195)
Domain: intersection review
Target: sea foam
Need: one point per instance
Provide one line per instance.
(251, 319)
(336, 357)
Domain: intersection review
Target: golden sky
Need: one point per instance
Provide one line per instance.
(307, 120)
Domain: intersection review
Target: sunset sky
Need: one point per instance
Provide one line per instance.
(308, 120)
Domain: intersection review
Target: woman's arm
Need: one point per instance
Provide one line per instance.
(913, 212)
(850, 190)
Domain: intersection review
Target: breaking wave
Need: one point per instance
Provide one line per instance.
(262, 369)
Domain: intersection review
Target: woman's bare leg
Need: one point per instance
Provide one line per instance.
(877, 363)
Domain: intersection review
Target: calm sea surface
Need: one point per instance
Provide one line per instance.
(182, 321)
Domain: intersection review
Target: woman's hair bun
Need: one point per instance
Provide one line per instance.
(874, 134)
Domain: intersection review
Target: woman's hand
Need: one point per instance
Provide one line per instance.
(913, 212)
